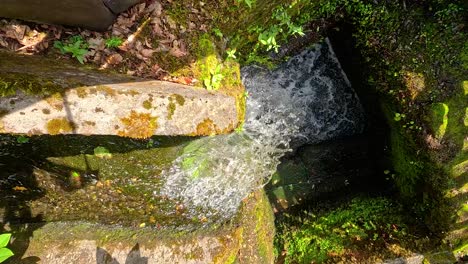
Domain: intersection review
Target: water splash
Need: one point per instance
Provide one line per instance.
(307, 99)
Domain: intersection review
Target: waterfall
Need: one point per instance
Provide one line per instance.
(307, 99)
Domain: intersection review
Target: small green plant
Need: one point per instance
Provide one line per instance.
(102, 152)
(231, 53)
(75, 45)
(214, 81)
(398, 117)
(113, 42)
(247, 2)
(218, 33)
(22, 139)
(283, 28)
(313, 238)
(5, 253)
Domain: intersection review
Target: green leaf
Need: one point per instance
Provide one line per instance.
(207, 83)
(4, 239)
(5, 253)
(22, 139)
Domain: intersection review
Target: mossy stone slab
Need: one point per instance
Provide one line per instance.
(246, 239)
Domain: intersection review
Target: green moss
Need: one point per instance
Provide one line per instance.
(207, 58)
(10, 83)
(259, 230)
(59, 126)
(439, 117)
(138, 125)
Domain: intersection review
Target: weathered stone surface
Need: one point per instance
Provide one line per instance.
(41, 97)
(118, 6)
(248, 239)
(92, 14)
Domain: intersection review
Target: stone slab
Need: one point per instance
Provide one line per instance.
(67, 99)
(92, 14)
(247, 239)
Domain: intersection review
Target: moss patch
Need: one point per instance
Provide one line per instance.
(147, 104)
(439, 117)
(10, 83)
(59, 126)
(171, 107)
(138, 125)
(207, 127)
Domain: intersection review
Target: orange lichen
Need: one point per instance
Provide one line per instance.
(56, 101)
(82, 92)
(89, 123)
(207, 127)
(138, 125)
(59, 126)
(107, 90)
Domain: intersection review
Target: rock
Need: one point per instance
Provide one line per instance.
(92, 14)
(118, 6)
(65, 99)
(248, 239)
(321, 170)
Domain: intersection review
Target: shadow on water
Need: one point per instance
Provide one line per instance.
(133, 257)
(22, 181)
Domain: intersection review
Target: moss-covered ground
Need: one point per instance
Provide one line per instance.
(413, 57)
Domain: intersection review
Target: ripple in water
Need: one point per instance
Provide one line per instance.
(307, 99)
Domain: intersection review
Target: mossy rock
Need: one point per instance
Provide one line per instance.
(248, 238)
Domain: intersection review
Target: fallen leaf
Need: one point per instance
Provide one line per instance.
(20, 188)
(147, 52)
(114, 59)
(175, 51)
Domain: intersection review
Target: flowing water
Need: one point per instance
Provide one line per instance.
(307, 99)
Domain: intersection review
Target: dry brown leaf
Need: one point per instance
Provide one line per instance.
(147, 52)
(114, 59)
(15, 31)
(158, 9)
(177, 52)
(148, 43)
